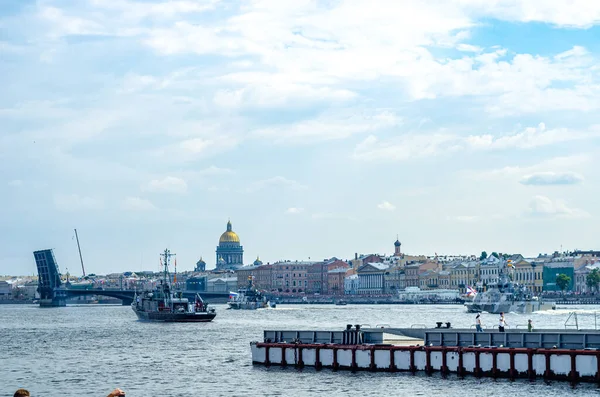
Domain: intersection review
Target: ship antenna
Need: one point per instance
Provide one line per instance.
(167, 255)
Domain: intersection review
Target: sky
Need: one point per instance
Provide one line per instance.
(320, 128)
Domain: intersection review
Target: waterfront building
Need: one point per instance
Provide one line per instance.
(411, 275)
(5, 290)
(244, 273)
(224, 284)
(464, 274)
(230, 254)
(317, 275)
(528, 274)
(290, 276)
(489, 272)
(371, 278)
(581, 274)
(429, 279)
(335, 281)
(394, 278)
(262, 276)
(551, 270)
(444, 279)
(351, 283)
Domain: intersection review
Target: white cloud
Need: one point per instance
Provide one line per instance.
(75, 202)
(552, 178)
(573, 13)
(192, 149)
(213, 170)
(542, 206)
(135, 82)
(137, 204)
(275, 94)
(555, 165)
(294, 210)
(15, 183)
(276, 182)
(464, 218)
(329, 127)
(386, 206)
(405, 147)
(531, 137)
(169, 184)
(417, 145)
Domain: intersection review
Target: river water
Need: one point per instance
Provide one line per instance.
(88, 350)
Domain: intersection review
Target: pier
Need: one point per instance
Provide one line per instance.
(572, 355)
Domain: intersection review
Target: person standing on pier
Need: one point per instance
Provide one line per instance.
(501, 323)
(478, 324)
(529, 326)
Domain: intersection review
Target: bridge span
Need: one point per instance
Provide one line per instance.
(54, 293)
(127, 296)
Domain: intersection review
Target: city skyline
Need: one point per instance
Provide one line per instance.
(319, 128)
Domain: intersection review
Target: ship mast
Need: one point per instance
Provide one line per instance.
(167, 257)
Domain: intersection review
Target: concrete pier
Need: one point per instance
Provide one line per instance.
(548, 354)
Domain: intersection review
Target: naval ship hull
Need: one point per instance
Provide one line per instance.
(198, 317)
(246, 305)
(508, 307)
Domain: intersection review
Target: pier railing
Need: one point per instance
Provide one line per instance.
(558, 339)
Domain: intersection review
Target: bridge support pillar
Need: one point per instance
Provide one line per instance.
(55, 302)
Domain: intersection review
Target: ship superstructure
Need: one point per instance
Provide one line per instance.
(165, 304)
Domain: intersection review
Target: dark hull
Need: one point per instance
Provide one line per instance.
(201, 317)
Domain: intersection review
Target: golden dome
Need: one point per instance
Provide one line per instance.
(229, 236)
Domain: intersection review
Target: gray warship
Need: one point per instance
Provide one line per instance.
(248, 298)
(506, 297)
(164, 304)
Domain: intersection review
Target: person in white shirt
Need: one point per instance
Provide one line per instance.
(478, 324)
(501, 323)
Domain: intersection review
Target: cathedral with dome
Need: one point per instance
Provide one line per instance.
(230, 254)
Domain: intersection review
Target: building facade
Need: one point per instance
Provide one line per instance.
(290, 276)
(371, 278)
(553, 269)
(335, 281)
(230, 254)
(351, 283)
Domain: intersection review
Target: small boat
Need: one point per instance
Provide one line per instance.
(248, 298)
(164, 304)
(341, 303)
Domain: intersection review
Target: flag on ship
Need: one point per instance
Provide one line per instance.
(175, 275)
(232, 294)
(471, 291)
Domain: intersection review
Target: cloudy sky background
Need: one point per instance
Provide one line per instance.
(321, 128)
